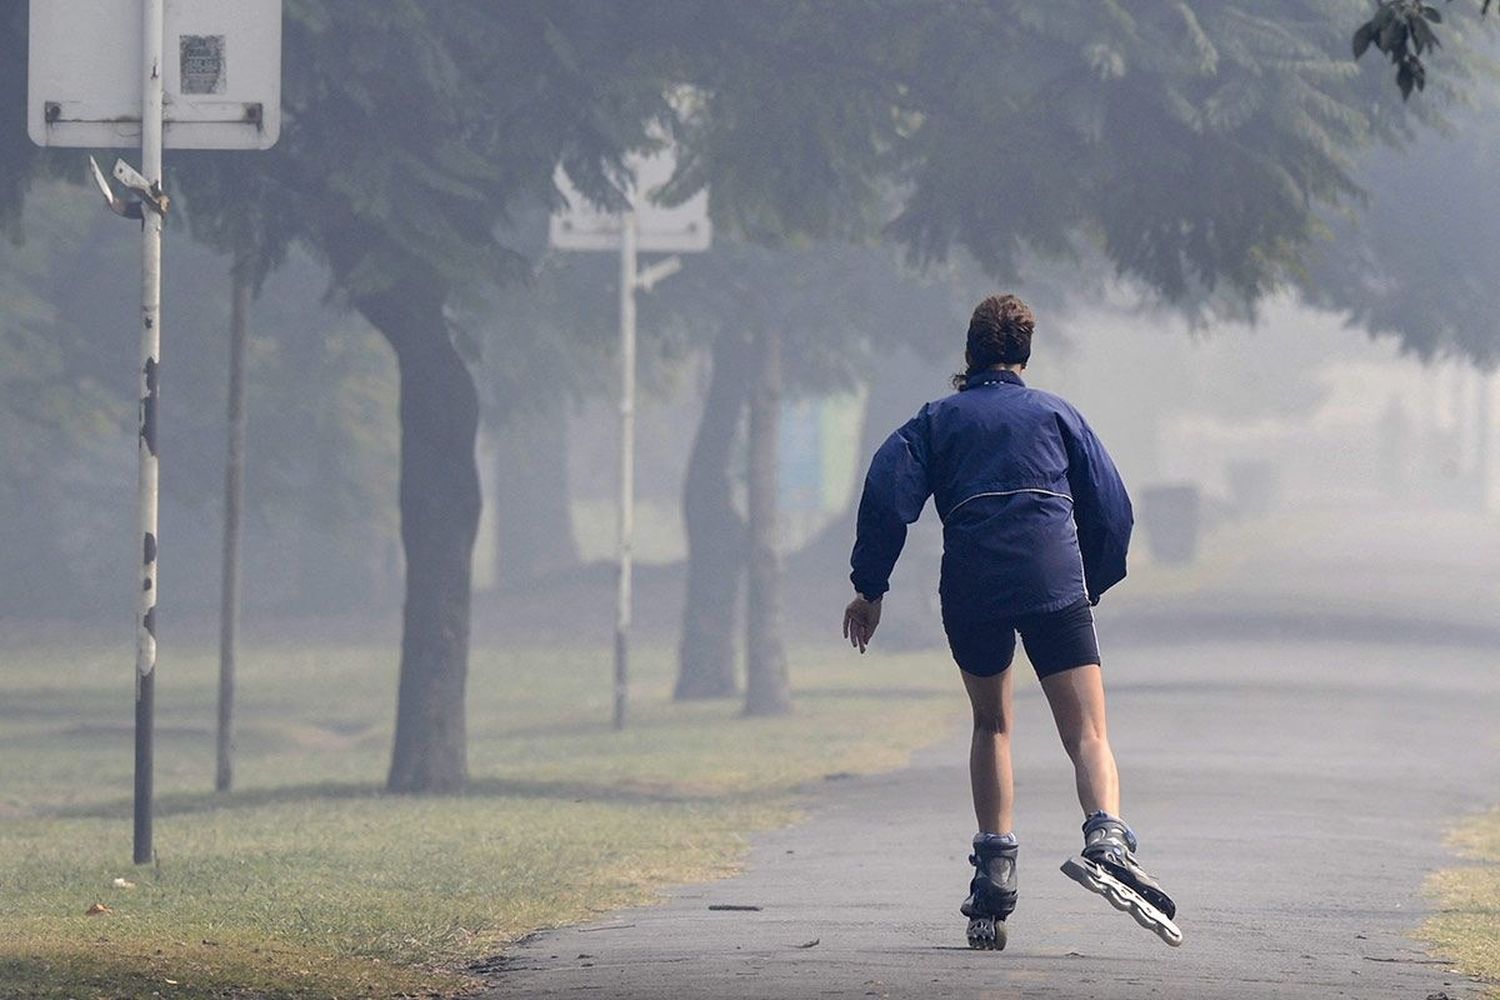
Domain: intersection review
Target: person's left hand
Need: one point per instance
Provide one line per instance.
(861, 618)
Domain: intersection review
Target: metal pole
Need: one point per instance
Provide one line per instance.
(1484, 439)
(153, 38)
(234, 491)
(628, 279)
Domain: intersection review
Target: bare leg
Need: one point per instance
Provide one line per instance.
(989, 751)
(1077, 700)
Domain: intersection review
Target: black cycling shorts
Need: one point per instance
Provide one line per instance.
(1055, 641)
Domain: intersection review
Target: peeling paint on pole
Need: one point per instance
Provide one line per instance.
(148, 489)
(89, 86)
(148, 399)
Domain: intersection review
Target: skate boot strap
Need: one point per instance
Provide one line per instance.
(1114, 828)
(1106, 847)
(990, 846)
(983, 855)
(994, 840)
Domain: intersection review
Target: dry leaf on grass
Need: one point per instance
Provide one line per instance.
(96, 909)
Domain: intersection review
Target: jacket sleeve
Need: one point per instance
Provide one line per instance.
(1101, 508)
(896, 488)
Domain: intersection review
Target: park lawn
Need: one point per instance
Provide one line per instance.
(306, 881)
(1466, 927)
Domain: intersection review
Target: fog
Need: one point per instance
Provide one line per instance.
(551, 474)
(1304, 341)
(1275, 423)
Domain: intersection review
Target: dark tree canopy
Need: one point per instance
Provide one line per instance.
(1195, 148)
(1190, 142)
(394, 175)
(1403, 31)
(1419, 268)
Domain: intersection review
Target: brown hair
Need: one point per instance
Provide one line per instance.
(999, 334)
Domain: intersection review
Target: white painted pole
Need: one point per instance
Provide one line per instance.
(628, 280)
(153, 38)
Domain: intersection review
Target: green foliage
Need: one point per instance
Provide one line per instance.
(59, 414)
(1416, 268)
(1403, 30)
(321, 387)
(838, 307)
(552, 335)
(1190, 142)
(46, 402)
(412, 130)
(791, 120)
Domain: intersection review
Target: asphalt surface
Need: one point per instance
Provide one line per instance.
(1292, 796)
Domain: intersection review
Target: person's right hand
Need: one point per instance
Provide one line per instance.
(861, 618)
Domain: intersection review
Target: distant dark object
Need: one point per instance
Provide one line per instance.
(1172, 515)
(734, 908)
(1403, 30)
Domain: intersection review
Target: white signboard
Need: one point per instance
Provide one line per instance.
(222, 73)
(683, 228)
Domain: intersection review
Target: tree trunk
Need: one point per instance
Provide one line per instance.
(767, 688)
(534, 531)
(439, 520)
(900, 384)
(715, 532)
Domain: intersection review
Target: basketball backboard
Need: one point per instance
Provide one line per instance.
(222, 73)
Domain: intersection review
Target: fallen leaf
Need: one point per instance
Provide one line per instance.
(96, 909)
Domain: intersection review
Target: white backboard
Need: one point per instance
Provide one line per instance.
(684, 228)
(222, 73)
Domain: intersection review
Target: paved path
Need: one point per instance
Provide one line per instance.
(1292, 797)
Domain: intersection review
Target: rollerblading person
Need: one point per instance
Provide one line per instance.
(1107, 866)
(1036, 527)
(992, 892)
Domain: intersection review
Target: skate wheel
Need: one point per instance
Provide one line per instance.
(986, 934)
(1168, 932)
(1124, 899)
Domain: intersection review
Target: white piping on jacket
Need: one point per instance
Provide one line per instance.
(1010, 493)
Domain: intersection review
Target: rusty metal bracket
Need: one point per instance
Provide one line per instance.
(116, 204)
(150, 193)
(147, 195)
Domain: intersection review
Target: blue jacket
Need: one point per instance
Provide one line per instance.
(1035, 517)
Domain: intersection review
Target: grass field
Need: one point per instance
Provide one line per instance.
(1466, 926)
(308, 882)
